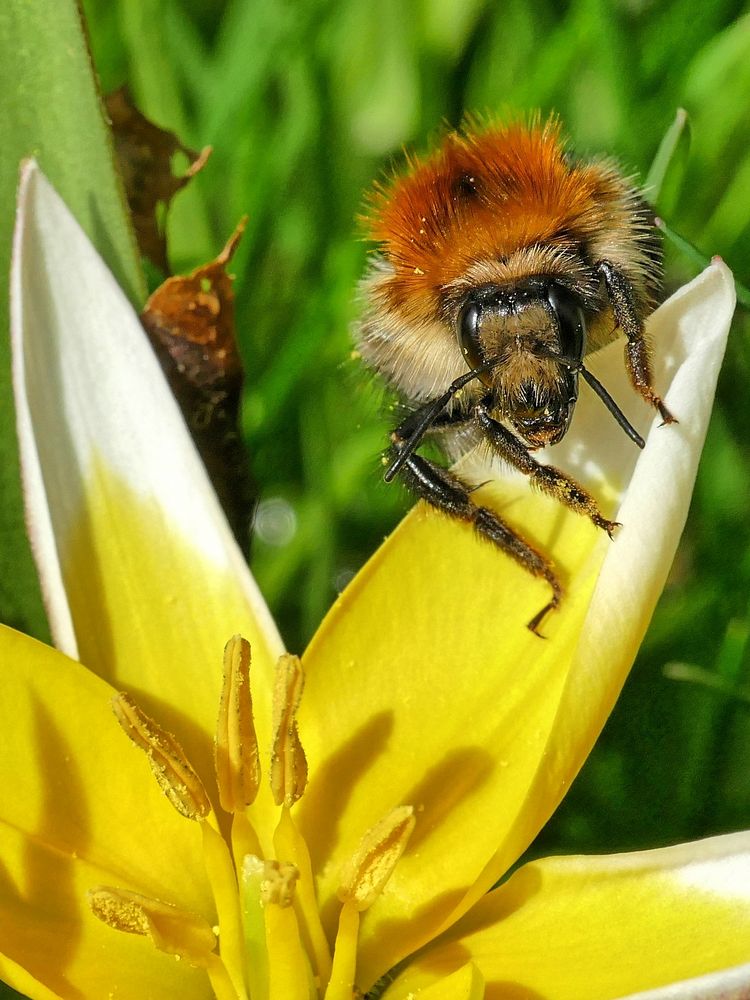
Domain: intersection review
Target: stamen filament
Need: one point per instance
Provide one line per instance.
(278, 964)
(169, 765)
(288, 843)
(236, 747)
(288, 762)
(252, 874)
(341, 983)
(244, 839)
(290, 973)
(221, 875)
(220, 979)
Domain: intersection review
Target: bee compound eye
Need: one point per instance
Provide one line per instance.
(469, 322)
(570, 322)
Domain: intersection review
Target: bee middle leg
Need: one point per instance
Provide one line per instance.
(637, 357)
(449, 493)
(547, 478)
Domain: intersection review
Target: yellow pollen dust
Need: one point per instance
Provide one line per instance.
(169, 765)
(170, 929)
(367, 871)
(288, 761)
(236, 746)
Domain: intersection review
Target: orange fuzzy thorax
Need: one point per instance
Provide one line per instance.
(484, 194)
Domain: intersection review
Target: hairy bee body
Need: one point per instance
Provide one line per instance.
(503, 262)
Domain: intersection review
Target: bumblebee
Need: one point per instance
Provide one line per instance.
(502, 263)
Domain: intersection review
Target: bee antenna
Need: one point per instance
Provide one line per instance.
(577, 366)
(612, 406)
(431, 413)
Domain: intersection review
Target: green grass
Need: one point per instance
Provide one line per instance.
(305, 103)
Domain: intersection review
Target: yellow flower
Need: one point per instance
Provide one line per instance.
(433, 738)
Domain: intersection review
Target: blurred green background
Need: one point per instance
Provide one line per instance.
(305, 103)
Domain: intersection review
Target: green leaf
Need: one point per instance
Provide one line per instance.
(667, 170)
(50, 110)
(692, 253)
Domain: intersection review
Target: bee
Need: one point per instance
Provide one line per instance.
(503, 261)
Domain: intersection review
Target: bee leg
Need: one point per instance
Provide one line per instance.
(448, 493)
(620, 294)
(545, 477)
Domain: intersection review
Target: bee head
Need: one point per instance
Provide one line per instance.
(530, 338)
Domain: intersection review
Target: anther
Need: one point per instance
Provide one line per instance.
(167, 927)
(288, 761)
(367, 871)
(170, 767)
(236, 745)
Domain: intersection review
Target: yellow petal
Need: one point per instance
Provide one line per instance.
(424, 686)
(49, 935)
(19, 979)
(79, 808)
(142, 579)
(602, 928)
(466, 983)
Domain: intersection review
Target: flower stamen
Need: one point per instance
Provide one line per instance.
(278, 965)
(341, 983)
(251, 876)
(236, 746)
(289, 843)
(364, 876)
(288, 761)
(171, 768)
(184, 789)
(169, 928)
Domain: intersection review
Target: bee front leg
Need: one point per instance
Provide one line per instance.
(620, 294)
(449, 493)
(545, 477)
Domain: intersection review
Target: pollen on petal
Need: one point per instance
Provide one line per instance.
(171, 768)
(367, 871)
(236, 747)
(169, 928)
(288, 761)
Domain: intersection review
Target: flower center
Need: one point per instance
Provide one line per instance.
(271, 941)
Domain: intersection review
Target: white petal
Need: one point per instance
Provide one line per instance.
(142, 578)
(81, 356)
(691, 331)
(729, 984)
